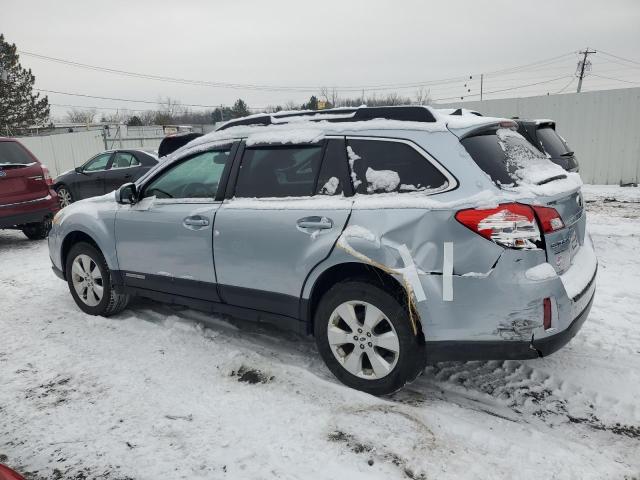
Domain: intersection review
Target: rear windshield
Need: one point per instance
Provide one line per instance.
(12, 153)
(552, 142)
(509, 159)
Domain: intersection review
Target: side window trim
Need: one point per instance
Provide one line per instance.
(451, 180)
(232, 146)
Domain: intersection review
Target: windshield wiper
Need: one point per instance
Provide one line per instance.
(567, 154)
(551, 179)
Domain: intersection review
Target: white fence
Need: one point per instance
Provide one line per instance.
(69, 150)
(603, 128)
(66, 151)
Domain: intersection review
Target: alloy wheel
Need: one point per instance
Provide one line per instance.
(64, 197)
(363, 340)
(87, 280)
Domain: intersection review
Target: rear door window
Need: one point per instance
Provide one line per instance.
(334, 173)
(380, 166)
(283, 171)
(123, 160)
(552, 142)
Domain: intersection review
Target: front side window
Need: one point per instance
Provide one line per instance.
(278, 171)
(195, 177)
(98, 163)
(380, 166)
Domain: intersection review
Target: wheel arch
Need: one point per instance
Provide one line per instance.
(69, 241)
(352, 271)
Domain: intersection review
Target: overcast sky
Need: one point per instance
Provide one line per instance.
(315, 43)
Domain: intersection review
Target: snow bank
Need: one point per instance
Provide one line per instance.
(592, 193)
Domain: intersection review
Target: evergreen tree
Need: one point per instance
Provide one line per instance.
(19, 106)
(313, 103)
(134, 121)
(239, 109)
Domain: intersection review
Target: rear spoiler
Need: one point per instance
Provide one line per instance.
(173, 142)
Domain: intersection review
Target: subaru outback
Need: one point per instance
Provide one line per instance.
(396, 236)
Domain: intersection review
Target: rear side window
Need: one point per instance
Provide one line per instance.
(12, 153)
(334, 173)
(551, 142)
(509, 159)
(279, 171)
(124, 160)
(379, 166)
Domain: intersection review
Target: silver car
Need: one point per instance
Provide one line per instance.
(396, 236)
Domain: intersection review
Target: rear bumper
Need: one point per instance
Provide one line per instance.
(29, 212)
(27, 217)
(509, 349)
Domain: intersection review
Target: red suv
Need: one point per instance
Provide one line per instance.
(27, 201)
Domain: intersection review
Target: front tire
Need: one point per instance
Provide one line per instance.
(89, 280)
(365, 337)
(64, 196)
(37, 230)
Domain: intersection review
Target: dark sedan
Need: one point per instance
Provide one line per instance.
(102, 174)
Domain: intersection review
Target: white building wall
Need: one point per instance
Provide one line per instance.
(603, 128)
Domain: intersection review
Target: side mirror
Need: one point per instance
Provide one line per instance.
(127, 194)
(78, 169)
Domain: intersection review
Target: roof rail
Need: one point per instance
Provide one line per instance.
(410, 113)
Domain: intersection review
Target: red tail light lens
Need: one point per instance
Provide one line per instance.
(549, 219)
(546, 321)
(511, 225)
(46, 175)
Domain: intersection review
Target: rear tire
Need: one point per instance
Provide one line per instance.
(37, 230)
(89, 280)
(377, 330)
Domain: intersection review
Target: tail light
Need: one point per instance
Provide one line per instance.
(47, 176)
(510, 225)
(549, 219)
(546, 320)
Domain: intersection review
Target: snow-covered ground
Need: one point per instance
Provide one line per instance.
(152, 393)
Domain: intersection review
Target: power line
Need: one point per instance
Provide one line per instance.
(503, 89)
(616, 79)
(620, 58)
(316, 88)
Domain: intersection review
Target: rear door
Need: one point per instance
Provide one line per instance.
(21, 177)
(286, 208)
(90, 182)
(125, 167)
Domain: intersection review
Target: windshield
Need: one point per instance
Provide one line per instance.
(12, 153)
(552, 142)
(509, 159)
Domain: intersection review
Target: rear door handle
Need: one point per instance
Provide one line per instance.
(195, 221)
(315, 223)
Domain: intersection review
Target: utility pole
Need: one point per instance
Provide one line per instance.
(583, 65)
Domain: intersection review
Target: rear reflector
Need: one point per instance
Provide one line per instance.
(546, 321)
(511, 225)
(549, 219)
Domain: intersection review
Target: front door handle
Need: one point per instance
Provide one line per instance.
(195, 221)
(321, 223)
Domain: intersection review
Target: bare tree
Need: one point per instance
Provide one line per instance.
(76, 115)
(423, 96)
(330, 96)
(170, 107)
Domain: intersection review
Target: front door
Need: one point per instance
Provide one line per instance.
(125, 168)
(286, 214)
(90, 183)
(164, 242)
